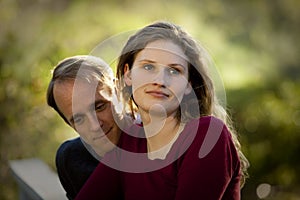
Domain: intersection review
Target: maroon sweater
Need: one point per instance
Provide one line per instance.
(202, 164)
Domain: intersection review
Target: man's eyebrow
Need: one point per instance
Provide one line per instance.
(99, 101)
(92, 108)
(72, 119)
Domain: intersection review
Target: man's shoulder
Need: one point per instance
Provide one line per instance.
(71, 145)
(74, 165)
(73, 149)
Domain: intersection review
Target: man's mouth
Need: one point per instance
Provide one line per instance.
(101, 136)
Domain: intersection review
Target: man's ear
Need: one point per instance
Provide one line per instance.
(127, 75)
(188, 89)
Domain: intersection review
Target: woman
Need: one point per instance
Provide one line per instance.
(187, 148)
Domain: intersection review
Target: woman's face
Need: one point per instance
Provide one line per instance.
(159, 77)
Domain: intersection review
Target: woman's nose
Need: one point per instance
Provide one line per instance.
(160, 77)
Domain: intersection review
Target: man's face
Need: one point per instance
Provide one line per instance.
(88, 112)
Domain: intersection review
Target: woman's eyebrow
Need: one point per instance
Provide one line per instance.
(152, 61)
(146, 61)
(176, 64)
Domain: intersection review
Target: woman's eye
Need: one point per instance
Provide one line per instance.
(174, 71)
(148, 67)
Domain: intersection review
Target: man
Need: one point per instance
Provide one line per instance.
(81, 91)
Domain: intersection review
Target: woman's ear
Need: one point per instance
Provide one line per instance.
(127, 75)
(188, 89)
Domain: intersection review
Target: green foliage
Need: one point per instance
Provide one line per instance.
(267, 118)
(254, 44)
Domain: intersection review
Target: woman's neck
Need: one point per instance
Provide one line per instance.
(159, 129)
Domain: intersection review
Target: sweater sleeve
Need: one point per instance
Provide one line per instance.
(213, 174)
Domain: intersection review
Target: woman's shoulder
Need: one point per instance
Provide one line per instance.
(210, 119)
(211, 133)
(206, 121)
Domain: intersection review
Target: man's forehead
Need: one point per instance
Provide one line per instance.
(88, 93)
(78, 97)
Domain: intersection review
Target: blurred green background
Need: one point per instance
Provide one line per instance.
(254, 44)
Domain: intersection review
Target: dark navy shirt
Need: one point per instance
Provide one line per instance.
(74, 165)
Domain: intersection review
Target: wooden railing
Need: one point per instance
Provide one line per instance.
(36, 180)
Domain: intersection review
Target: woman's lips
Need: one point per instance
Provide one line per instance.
(155, 93)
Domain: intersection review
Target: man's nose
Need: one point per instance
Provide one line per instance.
(95, 123)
